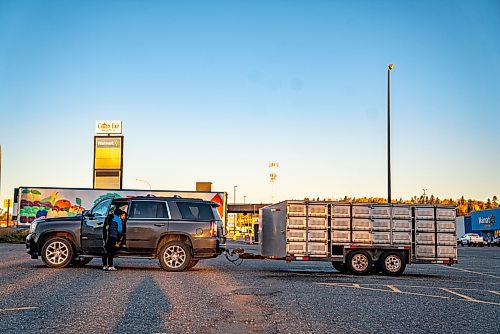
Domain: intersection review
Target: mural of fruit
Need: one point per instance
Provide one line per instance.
(63, 204)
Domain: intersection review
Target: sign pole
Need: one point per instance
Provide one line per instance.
(8, 211)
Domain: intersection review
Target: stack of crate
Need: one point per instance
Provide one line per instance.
(307, 229)
(401, 225)
(435, 224)
(362, 224)
(341, 221)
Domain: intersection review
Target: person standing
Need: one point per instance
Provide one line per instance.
(114, 227)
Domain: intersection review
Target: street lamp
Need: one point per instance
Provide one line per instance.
(149, 185)
(389, 68)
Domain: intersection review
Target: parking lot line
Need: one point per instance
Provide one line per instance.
(17, 309)
(393, 288)
(471, 271)
(495, 292)
(459, 294)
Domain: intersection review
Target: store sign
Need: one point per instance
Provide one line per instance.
(108, 127)
(108, 152)
(485, 220)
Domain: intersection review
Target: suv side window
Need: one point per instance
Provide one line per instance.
(101, 210)
(148, 210)
(198, 211)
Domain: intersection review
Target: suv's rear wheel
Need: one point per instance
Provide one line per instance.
(175, 256)
(57, 253)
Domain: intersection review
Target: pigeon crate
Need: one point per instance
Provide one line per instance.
(384, 212)
(310, 248)
(424, 213)
(425, 226)
(446, 214)
(429, 252)
(398, 238)
(425, 239)
(381, 224)
(317, 210)
(341, 211)
(341, 223)
(361, 211)
(303, 235)
(362, 237)
(397, 225)
(341, 237)
(296, 209)
(446, 239)
(361, 224)
(446, 226)
(318, 223)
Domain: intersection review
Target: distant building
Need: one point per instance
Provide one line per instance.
(486, 222)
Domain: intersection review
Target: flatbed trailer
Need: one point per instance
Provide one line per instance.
(360, 238)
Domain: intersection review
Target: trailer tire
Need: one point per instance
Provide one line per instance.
(393, 263)
(359, 262)
(340, 267)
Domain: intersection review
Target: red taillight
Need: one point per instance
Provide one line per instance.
(213, 229)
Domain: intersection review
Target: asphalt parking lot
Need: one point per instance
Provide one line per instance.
(259, 296)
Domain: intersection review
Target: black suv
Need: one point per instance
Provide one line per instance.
(177, 231)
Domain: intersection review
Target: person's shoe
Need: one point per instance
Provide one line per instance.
(105, 268)
(112, 269)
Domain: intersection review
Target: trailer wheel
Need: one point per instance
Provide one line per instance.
(340, 267)
(392, 263)
(359, 262)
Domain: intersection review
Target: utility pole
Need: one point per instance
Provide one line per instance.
(389, 68)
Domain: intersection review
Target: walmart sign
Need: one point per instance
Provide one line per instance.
(485, 220)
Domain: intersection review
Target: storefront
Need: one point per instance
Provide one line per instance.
(486, 222)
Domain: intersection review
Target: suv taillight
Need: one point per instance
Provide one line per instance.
(213, 229)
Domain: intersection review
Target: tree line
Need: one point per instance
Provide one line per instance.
(464, 206)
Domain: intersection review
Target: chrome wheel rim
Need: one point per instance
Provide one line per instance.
(57, 252)
(360, 262)
(392, 263)
(174, 256)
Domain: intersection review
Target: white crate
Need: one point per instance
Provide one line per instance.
(311, 248)
(425, 251)
(312, 235)
(398, 238)
(361, 211)
(318, 210)
(424, 213)
(341, 211)
(381, 224)
(362, 237)
(340, 223)
(446, 226)
(424, 225)
(296, 209)
(425, 239)
(384, 212)
(340, 236)
(447, 251)
(446, 214)
(319, 223)
(429, 252)
(447, 239)
(361, 224)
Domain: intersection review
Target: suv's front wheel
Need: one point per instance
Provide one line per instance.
(57, 253)
(175, 256)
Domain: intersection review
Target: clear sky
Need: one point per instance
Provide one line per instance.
(215, 90)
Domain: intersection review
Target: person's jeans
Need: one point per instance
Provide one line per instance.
(107, 259)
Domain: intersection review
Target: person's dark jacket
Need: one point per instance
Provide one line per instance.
(114, 226)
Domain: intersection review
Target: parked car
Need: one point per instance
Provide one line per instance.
(471, 239)
(177, 231)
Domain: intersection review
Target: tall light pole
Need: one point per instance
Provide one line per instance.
(389, 68)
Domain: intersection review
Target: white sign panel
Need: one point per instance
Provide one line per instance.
(105, 127)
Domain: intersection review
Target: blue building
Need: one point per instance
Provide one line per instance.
(486, 222)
